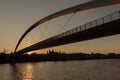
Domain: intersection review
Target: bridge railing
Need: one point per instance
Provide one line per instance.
(88, 25)
(95, 23)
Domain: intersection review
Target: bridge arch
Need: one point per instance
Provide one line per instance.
(74, 9)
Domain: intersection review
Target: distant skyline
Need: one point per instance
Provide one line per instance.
(18, 15)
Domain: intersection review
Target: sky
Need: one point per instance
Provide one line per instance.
(16, 16)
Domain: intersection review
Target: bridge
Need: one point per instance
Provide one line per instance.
(105, 26)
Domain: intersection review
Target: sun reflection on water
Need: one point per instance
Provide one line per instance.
(23, 72)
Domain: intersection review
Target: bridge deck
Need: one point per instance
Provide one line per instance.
(106, 29)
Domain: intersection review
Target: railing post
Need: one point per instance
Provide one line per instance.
(90, 24)
(119, 14)
(72, 31)
(103, 19)
(69, 32)
(96, 22)
(80, 28)
(85, 26)
(110, 17)
(76, 30)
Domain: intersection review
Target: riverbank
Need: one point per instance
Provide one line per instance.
(54, 56)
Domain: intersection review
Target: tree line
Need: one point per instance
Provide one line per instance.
(52, 55)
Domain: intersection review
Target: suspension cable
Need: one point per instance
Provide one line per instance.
(70, 18)
(59, 25)
(45, 28)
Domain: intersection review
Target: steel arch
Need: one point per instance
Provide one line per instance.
(74, 9)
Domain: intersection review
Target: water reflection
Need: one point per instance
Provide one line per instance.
(22, 72)
(68, 70)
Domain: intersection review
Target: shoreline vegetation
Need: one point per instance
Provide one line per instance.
(54, 56)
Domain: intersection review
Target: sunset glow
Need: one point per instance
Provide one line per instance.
(18, 16)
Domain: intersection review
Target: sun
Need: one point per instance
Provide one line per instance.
(29, 53)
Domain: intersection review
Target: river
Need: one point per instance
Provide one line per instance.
(107, 69)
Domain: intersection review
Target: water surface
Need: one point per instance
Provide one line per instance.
(108, 69)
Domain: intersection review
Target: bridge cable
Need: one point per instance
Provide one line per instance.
(45, 28)
(70, 18)
(42, 35)
(59, 25)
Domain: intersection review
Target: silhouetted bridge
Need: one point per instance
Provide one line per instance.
(105, 26)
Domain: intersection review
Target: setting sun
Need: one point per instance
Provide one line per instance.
(29, 53)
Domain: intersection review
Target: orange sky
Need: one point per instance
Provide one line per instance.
(17, 16)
